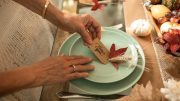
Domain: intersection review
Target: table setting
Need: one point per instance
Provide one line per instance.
(106, 82)
(140, 74)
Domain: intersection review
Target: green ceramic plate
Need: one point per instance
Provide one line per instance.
(106, 88)
(65, 47)
(107, 73)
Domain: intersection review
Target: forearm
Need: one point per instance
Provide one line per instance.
(15, 80)
(82, 24)
(53, 14)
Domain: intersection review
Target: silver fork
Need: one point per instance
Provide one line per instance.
(72, 95)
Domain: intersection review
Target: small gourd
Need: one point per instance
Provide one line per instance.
(159, 11)
(141, 27)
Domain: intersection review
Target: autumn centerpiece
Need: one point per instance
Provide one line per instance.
(166, 14)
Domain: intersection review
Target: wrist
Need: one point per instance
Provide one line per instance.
(54, 15)
(40, 75)
(58, 18)
(15, 80)
(29, 76)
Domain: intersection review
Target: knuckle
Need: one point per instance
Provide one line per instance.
(68, 63)
(77, 75)
(86, 15)
(65, 68)
(80, 29)
(87, 68)
(64, 80)
(81, 26)
(67, 78)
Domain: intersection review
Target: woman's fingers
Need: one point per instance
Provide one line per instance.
(91, 28)
(72, 57)
(92, 32)
(76, 75)
(96, 27)
(85, 35)
(80, 68)
(61, 69)
(79, 61)
(98, 31)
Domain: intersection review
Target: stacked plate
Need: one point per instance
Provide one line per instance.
(105, 79)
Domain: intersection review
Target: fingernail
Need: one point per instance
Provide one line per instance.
(93, 67)
(86, 74)
(100, 37)
(90, 41)
(87, 42)
(90, 59)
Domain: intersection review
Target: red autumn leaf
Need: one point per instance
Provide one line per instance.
(112, 50)
(115, 53)
(96, 5)
(120, 51)
(174, 47)
(172, 39)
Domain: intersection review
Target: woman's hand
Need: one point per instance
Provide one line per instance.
(84, 24)
(59, 69)
(50, 71)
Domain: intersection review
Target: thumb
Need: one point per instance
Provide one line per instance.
(85, 35)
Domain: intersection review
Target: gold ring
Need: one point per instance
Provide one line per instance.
(74, 67)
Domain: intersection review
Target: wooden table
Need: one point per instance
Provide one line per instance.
(133, 9)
